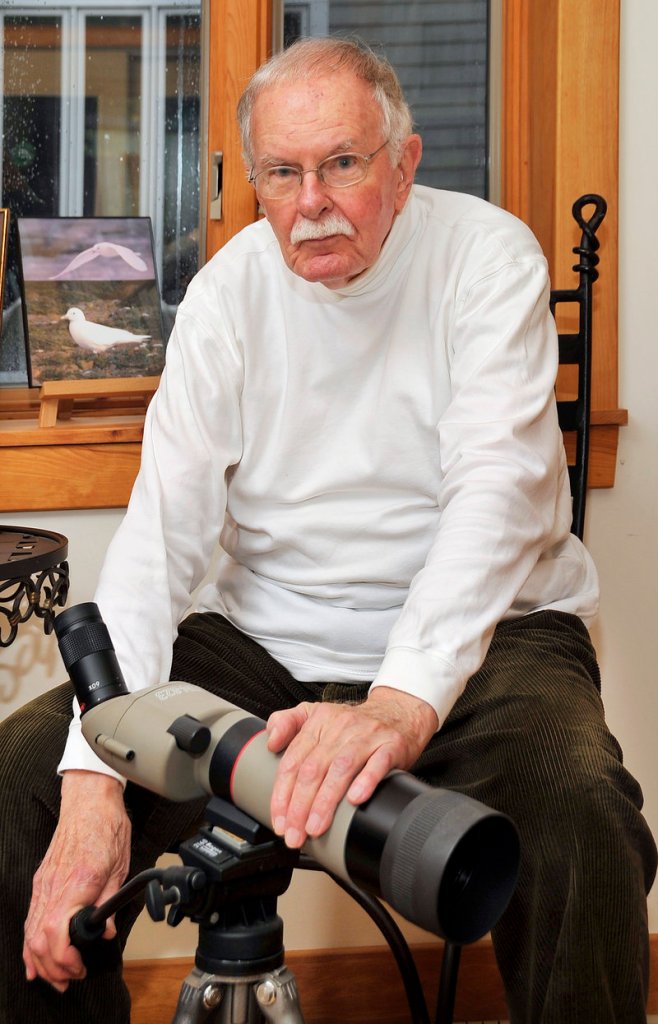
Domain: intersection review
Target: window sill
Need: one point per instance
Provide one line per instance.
(93, 464)
(88, 459)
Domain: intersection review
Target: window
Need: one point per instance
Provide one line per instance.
(100, 117)
(440, 52)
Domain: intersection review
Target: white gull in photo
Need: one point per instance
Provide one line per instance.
(107, 250)
(97, 337)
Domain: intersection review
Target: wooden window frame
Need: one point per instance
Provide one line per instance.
(245, 30)
(91, 461)
(560, 140)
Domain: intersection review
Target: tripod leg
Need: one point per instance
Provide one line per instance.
(212, 999)
(200, 996)
(278, 999)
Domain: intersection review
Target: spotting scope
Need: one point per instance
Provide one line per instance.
(444, 861)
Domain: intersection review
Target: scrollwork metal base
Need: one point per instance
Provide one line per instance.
(25, 596)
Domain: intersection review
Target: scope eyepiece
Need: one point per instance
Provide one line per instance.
(88, 655)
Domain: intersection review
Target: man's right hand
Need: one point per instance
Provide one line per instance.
(86, 863)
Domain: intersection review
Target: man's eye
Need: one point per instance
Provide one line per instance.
(281, 173)
(345, 162)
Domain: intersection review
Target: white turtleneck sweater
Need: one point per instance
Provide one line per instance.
(381, 463)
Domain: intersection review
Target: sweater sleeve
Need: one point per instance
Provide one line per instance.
(503, 499)
(164, 544)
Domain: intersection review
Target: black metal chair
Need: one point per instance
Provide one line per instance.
(575, 349)
(574, 415)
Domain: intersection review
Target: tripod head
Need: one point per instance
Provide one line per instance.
(246, 868)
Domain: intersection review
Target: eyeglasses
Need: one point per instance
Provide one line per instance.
(338, 171)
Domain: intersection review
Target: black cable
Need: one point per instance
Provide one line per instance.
(445, 1005)
(394, 937)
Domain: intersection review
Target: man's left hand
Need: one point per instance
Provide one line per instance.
(333, 750)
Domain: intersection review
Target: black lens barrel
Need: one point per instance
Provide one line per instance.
(88, 655)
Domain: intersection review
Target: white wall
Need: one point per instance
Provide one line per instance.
(622, 524)
(33, 663)
(622, 527)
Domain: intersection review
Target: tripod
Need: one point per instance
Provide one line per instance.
(233, 870)
(239, 975)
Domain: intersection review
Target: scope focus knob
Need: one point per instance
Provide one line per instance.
(190, 734)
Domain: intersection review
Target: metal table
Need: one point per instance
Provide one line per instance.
(34, 578)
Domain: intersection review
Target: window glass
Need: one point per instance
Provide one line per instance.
(439, 50)
(31, 114)
(180, 257)
(112, 116)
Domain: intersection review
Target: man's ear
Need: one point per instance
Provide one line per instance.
(411, 154)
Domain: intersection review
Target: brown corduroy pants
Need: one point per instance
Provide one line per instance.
(528, 737)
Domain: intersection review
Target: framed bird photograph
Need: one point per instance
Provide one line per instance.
(91, 298)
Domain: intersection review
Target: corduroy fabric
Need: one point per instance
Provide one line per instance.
(528, 737)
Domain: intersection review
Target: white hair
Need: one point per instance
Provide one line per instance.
(309, 58)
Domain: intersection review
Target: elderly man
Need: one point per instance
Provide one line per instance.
(358, 404)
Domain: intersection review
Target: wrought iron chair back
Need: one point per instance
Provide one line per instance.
(575, 349)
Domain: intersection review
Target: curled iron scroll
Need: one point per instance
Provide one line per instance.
(589, 243)
(38, 594)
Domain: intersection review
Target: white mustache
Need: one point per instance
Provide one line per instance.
(306, 230)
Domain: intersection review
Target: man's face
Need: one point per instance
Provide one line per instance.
(299, 125)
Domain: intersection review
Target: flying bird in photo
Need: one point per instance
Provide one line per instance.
(107, 250)
(97, 337)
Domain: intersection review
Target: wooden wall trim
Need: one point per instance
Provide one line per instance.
(88, 453)
(560, 125)
(68, 476)
(354, 986)
(587, 140)
(240, 33)
(515, 116)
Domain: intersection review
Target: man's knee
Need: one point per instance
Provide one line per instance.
(572, 798)
(31, 744)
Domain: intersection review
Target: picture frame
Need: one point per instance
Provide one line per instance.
(4, 238)
(92, 300)
(13, 349)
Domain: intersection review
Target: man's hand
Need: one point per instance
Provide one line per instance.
(86, 863)
(338, 749)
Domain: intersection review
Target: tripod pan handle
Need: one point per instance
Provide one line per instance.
(83, 930)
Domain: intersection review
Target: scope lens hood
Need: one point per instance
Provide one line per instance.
(444, 861)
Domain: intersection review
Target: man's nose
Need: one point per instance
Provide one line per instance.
(313, 197)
